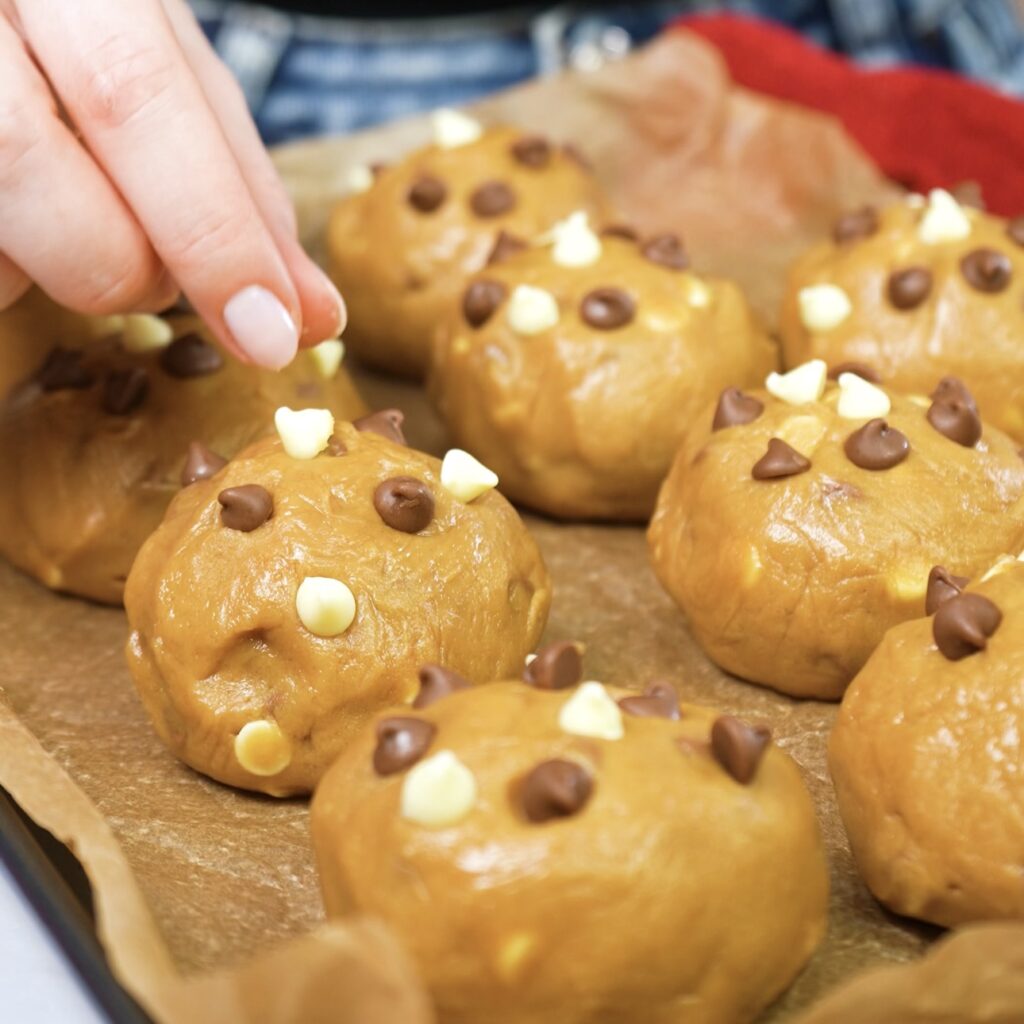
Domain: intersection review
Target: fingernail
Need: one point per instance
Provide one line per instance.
(262, 327)
(339, 302)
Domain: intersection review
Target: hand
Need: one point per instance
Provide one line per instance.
(129, 167)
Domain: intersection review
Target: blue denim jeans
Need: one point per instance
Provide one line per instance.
(305, 75)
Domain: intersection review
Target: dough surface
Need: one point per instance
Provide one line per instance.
(582, 419)
(92, 445)
(926, 758)
(672, 894)
(944, 325)
(792, 580)
(222, 618)
(400, 268)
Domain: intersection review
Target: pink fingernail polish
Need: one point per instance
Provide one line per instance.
(262, 327)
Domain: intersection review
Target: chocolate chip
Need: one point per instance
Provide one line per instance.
(387, 423)
(246, 507)
(558, 666)
(667, 251)
(968, 193)
(190, 356)
(555, 789)
(577, 156)
(659, 700)
(954, 414)
(480, 301)
(735, 408)
(876, 446)
(335, 445)
(492, 199)
(505, 245)
(437, 682)
(738, 746)
(963, 624)
(910, 287)
(953, 388)
(532, 151)
(427, 193)
(401, 742)
(621, 231)
(861, 370)
(1015, 230)
(856, 224)
(607, 308)
(125, 390)
(988, 270)
(942, 586)
(62, 370)
(780, 460)
(200, 464)
(404, 503)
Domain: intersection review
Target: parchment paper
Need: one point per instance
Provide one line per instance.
(206, 897)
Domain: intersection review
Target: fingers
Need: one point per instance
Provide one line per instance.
(323, 312)
(13, 282)
(61, 222)
(117, 68)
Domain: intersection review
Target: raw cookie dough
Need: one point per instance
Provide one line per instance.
(800, 529)
(578, 855)
(573, 367)
(401, 247)
(927, 760)
(294, 594)
(94, 443)
(923, 289)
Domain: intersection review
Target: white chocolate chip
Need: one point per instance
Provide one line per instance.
(464, 477)
(359, 178)
(304, 432)
(531, 310)
(143, 332)
(823, 306)
(438, 791)
(804, 383)
(262, 749)
(327, 357)
(591, 712)
(453, 128)
(944, 219)
(325, 606)
(859, 399)
(574, 244)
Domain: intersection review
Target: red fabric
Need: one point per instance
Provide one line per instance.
(923, 127)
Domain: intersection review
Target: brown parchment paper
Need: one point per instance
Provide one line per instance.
(206, 898)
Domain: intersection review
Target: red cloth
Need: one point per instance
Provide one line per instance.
(925, 128)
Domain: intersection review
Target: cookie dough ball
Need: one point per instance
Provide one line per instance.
(401, 247)
(924, 289)
(926, 755)
(798, 524)
(111, 422)
(294, 594)
(574, 367)
(579, 855)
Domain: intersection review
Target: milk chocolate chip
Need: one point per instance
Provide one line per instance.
(125, 390)
(555, 789)
(862, 370)
(735, 408)
(607, 308)
(779, 461)
(738, 746)
(667, 251)
(987, 270)
(480, 301)
(62, 370)
(504, 246)
(963, 624)
(404, 503)
(954, 413)
(190, 356)
(942, 586)
(492, 199)
(200, 464)
(387, 423)
(909, 288)
(427, 193)
(1015, 230)
(532, 151)
(856, 224)
(246, 507)
(876, 446)
(437, 682)
(335, 446)
(557, 666)
(401, 742)
(659, 700)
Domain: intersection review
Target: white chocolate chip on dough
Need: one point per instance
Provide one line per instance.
(359, 178)
(464, 477)
(574, 243)
(531, 310)
(325, 606)
(262, 749)
(438, 791)
(859, 399)
(804, 383)
(453, 128)
(944, 219)
(143, 332)
(591, 712)
(327, 357)
(304, 432)
(823, 306)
